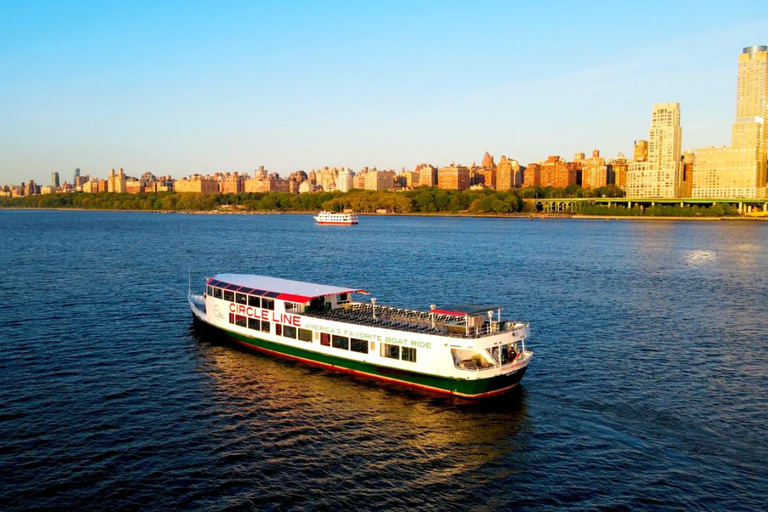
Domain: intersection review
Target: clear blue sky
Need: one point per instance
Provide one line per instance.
(196, 87)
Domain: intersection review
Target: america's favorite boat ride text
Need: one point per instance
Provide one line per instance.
(465, 350)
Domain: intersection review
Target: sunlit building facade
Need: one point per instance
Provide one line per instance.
(741, 169)
(661, 175)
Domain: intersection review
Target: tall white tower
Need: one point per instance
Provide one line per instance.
(661, 176)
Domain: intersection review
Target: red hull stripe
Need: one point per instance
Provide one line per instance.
(371, 375)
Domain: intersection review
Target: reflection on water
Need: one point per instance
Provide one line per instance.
(305, 414)
(699, 257)
(648, 390)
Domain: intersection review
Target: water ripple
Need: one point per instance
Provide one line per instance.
(648, 389)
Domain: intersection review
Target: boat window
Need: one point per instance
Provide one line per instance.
(241, 321)
(340, 342)
(268, 303)
(305, 335)
(273, 295)
(344, 297)
(254, 301)
(210, 290)
(408, 354)
(254, 324)
(357, 345)
(293, 307)
(230, 296)
(217, 293)
(279, 329)
(265, 327)
(231, 318)
(289, 331)
(508, 353)
(467, 359)
(316, 304)
(325, 339)
(390, 351)
(241, 298)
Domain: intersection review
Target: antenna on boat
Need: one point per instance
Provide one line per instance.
(373, 307)
(432, 314)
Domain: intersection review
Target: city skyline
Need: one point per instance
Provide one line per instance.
(179, 91)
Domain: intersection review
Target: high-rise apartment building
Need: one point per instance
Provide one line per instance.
(55, 180)
(507, 173)
(594, 171)
(555, 172)
(427, 175)
(686, 187)
(453, 177)
(617, 171)
(661, 175)
(740, 170)
(641, 151)
(344, 181)
(116, 182)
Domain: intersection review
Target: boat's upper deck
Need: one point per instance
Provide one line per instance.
(408, 320)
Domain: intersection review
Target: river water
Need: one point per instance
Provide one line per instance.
(648, 388)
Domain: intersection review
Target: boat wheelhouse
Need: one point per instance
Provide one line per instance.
(466, 350)
(326, 217)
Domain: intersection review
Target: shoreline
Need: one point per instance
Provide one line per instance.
(530, 216)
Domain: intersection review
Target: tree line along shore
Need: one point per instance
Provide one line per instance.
(420, 200)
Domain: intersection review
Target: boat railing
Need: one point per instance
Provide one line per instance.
(389, 317)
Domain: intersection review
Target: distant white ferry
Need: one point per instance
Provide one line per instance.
(326, 217)
(466, 351)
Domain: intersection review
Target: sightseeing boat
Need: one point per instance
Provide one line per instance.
(467, 350)
(326, 217)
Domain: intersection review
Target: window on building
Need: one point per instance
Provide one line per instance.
(325, 339)
(390, 351)
(266, 326)
(268, 303)
(305, 335)
(254, 323)
(241, 298)
(217, 293)
(230, 296)
(241, 321)
(289, 331)
(408, 354)
(254, 300)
